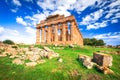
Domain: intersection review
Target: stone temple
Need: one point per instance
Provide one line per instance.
(58, 30)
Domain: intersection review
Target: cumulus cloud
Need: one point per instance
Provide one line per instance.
(112, 38)
(16, 36)
(30, 30)
(21, 21)
(17, 3)
(14, 10)
(1, 29)
(114, 21)
(106, 13)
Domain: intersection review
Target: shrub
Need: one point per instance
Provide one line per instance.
(8, 42)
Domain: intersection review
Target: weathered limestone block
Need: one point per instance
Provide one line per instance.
(31, 47)
(88, 64)
(33, 57)
(102, 59)
(48, 49)
(31, 64)
(83, 58)
(41, 61)
(18, 61)
(86, 61)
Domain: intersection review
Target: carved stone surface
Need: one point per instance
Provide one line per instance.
(57, 29)
(102, 59)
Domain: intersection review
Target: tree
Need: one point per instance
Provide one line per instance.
(8, 42)
(101, 42)
(93, 42)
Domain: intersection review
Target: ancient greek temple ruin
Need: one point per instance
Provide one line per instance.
(57, 30)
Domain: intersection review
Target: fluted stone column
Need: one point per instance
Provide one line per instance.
(43, 34)
(72, 30)
(64, 32)
(49, 34)
(56, 33)
(38, 36)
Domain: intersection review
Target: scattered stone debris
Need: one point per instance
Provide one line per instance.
(18, 61)
(31, 64)
(104, 69)
(32, 54)
(100, 60)
(86, 61)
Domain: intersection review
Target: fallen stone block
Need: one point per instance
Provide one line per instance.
(88, 64)
(102, 59)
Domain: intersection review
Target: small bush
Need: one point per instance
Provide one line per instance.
(8, 42)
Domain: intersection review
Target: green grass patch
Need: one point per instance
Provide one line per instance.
(69, 69)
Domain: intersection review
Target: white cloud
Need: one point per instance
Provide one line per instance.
(114, 4)
(108, 15)
(92, 18)
(16, 36)
(115, 35)
(97, 25)
(46, 4)
(103, 16)
(12, 32)
(14, 10)
(114, 21)
(1, 29)
(81, 5)
(110, 38)
(21, 21)
(29, 1)
(17, 3)
(30, 30)
(62, 12)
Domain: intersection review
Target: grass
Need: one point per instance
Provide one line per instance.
(54, 70)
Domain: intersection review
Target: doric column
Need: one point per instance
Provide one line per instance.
(43, 34)
(56, 33)
(38, 36)
(64, 32)
(49, 34)
(72, 30)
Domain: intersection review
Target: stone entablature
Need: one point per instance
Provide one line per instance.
(57, 29)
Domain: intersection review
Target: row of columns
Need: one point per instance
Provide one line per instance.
(50, 34)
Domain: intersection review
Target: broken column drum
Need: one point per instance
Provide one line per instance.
(57, 29)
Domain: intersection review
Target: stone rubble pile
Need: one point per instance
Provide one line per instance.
(86, 60)
(28, 56)
(101, 61)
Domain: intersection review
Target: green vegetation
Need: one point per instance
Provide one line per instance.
(93, 42)
(69, 69)
(8, 42)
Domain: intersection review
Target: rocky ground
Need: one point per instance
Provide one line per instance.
(27, 56)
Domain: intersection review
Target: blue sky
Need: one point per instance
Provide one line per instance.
(96, 18)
